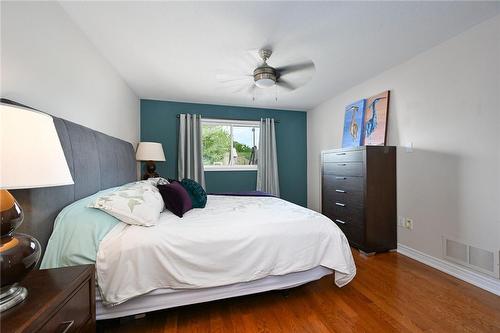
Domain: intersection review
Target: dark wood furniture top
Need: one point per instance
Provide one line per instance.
(359, 195)
(59, 300)
(379, 299)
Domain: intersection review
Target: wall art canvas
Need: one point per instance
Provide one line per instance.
(353, 125)
(375, 125)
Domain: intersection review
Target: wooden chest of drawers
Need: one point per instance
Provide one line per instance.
(359, 195)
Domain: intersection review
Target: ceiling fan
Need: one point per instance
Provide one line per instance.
(265, 76)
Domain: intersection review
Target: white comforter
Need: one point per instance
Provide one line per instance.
(231, 240)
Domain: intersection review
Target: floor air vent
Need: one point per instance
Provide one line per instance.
(481, 260)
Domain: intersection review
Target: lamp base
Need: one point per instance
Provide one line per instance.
(19, 253)
(12, 296)
(150, 171)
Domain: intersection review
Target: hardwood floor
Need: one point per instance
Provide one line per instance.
(390, 293)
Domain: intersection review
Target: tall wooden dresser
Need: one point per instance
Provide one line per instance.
(359, 195)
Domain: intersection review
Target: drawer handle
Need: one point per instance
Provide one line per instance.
(339, 154)
(340, 191)
(341, 164)
(340, 204)
(340, 221)
(68, 325)
(343, 178)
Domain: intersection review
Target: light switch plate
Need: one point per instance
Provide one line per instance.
(401, 221)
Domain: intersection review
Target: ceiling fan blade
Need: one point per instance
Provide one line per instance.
(243, 88)
(302, 66)
(285, 84)
(231, 77)
(233, 88)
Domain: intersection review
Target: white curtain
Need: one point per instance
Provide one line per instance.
(190, 160)
(267, 160)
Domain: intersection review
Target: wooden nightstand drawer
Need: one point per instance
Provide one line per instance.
(74, 315)
(59, 300)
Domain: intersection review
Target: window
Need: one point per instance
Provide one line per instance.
(229, 144)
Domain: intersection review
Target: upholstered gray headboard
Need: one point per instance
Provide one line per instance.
(97, 161)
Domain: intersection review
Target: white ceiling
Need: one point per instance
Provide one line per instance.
(173, 50)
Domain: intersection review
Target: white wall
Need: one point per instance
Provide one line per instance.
(447, 102)
(49, 64)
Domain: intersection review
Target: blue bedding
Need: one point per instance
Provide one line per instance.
(78, 231)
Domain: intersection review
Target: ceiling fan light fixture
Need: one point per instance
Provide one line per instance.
(264, 76)
(265, 83)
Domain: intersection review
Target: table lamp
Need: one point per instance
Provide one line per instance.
(31, 156)
(150, 152)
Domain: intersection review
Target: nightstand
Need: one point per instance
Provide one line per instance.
(59, 300)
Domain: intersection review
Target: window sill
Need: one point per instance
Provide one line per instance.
(232, 168)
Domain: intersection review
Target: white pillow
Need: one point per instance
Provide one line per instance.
(138, 203)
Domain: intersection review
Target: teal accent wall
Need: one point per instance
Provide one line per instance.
(159, 124)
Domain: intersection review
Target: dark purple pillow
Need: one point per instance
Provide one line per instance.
(176, 198)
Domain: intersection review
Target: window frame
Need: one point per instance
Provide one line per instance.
(231, 123)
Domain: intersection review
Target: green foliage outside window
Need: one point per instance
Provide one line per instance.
(216, 142)
(243, 151)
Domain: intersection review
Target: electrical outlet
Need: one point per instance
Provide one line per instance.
(408, 223)
(409, 147)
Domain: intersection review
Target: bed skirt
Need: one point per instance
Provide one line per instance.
(170, 298)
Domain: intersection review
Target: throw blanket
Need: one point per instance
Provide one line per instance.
(233, 239)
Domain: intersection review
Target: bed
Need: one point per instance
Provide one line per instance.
(235, 246)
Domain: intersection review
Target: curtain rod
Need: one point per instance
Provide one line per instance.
(223, 118)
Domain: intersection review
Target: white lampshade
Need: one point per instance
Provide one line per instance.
(149, 151)
(30, 150)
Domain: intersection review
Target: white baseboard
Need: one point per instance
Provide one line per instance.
(479, 280)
